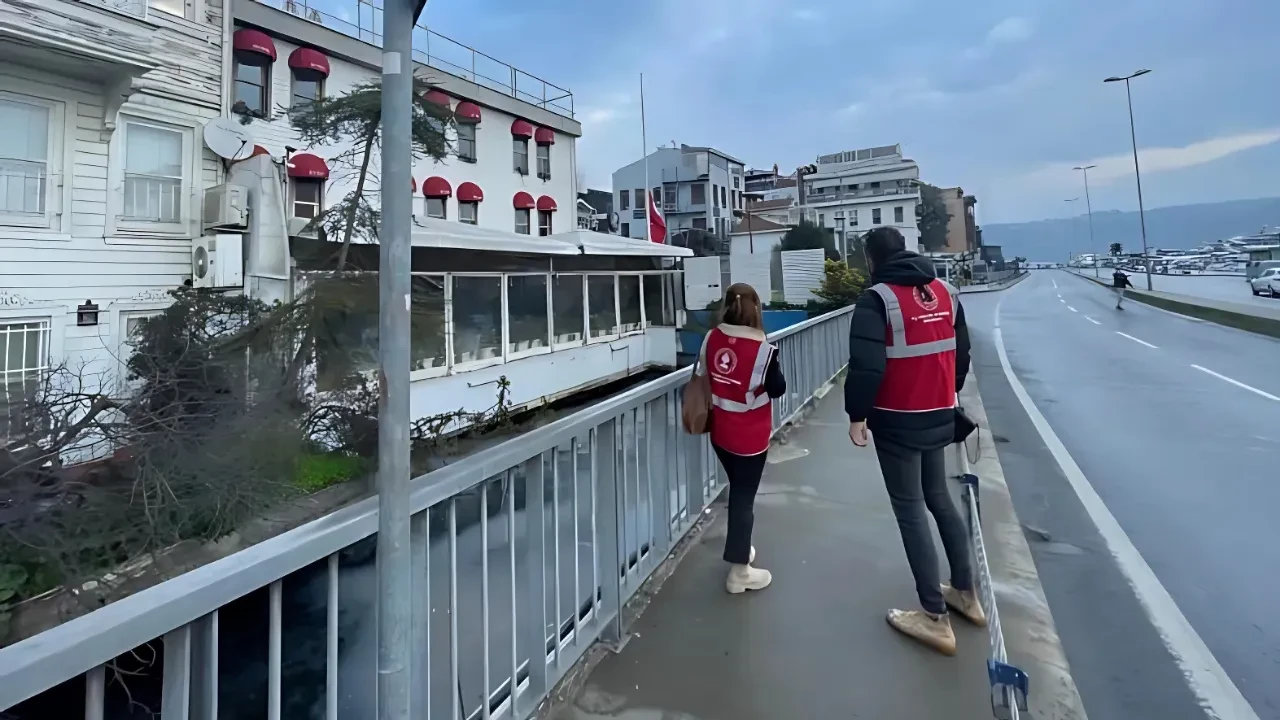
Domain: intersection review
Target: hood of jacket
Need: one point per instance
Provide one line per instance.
(905, 268)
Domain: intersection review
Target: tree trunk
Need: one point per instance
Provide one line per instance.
(359, 195)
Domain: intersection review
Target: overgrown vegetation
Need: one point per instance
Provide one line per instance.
(841, 286)
(932, 218)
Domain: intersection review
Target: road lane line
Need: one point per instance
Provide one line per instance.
(1140, 342)
(1237, 383)
(1218, 695)
(1055, 283)
(1072, 309)
(1095, 322)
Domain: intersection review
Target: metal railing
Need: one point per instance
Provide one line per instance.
(852, 194)
(524, 555)
(438, 51)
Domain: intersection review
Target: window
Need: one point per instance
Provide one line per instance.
(669, 197)
(469, 213)
(544, 222)
(25, 161)
(822, 220)
(252, 91)
(307, 88)
(698, 194)
(477, 318)
(566, 308)
(700, 223)
(426, 322)
(130, 328)
(875, 185)
(522, 221)
(652, 291)
(853, 218)
(629, 302)
(466, 142)
(308, 198)
(436, 207)
(347, 336)
(153, 174)
(544, 162)
(640, 200)
(875, 216)
(602, 305)
(735, 182)
(520, 155)
(897, 214)
(181, 8)
(527, 312)
(624, 200)
(24, 358)
(625, 230)
(724, 202)
(734, 196)
(715, 195)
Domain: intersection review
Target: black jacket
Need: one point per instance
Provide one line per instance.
(920, 431)
(1120, 280)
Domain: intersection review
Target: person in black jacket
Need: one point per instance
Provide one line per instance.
(1120, 281)
(911, 446)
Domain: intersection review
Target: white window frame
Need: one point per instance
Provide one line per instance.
(120, 315)
(51, 314)
(58, 162)
(474, 140)
(293, 195)
(527, 215)
(476, 217)
(189, 10)
(446, 368)
(877, 216)
(543, 148)
(516, 167)
(124, 231)
(506, 319)
(293, 91)
(550, 216)
(444, 207)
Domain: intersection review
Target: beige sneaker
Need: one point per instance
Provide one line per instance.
(919, 625)
(966, 603)
(744, 577)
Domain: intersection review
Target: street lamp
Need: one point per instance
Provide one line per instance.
(1074, 214)
(1093, 246)
(1142, 218)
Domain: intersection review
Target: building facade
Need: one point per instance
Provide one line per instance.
(700, 187)
(854, 191)
(962, 230)
(102, 173)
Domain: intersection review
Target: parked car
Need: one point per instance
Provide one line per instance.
(1266, 282)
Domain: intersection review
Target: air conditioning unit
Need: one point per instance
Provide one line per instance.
(226, 207)
(217, 261)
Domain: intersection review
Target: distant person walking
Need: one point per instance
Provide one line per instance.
(908, 357)
(1120, 281)
(745, 376)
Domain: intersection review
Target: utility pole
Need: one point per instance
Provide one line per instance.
(394, 566)
(1093, 246)
(1142, 215)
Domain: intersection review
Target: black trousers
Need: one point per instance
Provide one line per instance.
(917, 481)
(744, 473)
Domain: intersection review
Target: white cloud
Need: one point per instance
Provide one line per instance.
(1154, 160)
(1011, 30)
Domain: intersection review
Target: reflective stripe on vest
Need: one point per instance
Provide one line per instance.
(751, 400)
(898, 326)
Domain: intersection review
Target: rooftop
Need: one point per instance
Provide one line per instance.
(697, 148)
(755, 223)
(770, 204)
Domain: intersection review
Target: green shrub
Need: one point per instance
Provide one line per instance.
(314, 473)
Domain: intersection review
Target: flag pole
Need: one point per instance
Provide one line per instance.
(644, 154)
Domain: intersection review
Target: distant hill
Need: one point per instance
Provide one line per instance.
(1182, 227)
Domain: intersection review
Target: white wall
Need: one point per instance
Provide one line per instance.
(492, 171)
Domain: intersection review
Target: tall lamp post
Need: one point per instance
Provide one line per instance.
(1093, 247)
(1142, 217)
(1074, 238)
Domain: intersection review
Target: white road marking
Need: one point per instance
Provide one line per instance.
(1072, 309)
(1095, 322)
(1064, 302)
(1060, 297)
(1218, 696)
(1140, 342)
(1055, 283)
(1237, 383)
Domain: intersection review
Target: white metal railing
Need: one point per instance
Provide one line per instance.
(22, 187)
(523, 556)
(853, 194)
(153, 198)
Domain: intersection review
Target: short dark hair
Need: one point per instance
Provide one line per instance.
(883, 242)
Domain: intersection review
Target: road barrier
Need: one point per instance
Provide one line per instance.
(524, 556)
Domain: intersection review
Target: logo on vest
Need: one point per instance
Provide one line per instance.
(928, 303)
(726, 360)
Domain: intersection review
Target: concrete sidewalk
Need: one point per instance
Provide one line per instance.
(813, 645)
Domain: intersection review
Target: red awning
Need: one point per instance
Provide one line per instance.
(522, 128)
(308, 167)
(248, 40)
(435, 186)
(309, 59)
(259, 150)
(546, 203)
(470, 192)
(523, 201)
(545, 136)
(436, 96)
(467, 112)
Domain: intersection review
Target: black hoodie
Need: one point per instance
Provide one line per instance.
(920, 431)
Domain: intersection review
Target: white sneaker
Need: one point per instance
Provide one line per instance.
(966, 603)
(931, 630)
(752, 558)
(744, 577)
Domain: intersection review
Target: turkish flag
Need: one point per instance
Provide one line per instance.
(657, 225)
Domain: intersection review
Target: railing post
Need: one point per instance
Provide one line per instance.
(609, 526)
(535, 589)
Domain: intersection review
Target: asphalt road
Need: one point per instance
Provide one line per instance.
(1213, 287)
(1185, 458)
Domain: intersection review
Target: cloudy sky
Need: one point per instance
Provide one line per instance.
(1002, 97)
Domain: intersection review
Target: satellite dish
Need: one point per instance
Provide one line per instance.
(227, 139)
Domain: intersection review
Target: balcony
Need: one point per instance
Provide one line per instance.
(364, 20)
(90, 39)
(811, 198)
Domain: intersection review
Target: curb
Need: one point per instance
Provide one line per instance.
(1002, 285)
(1241, 321)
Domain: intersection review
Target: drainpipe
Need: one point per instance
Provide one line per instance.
(228, 26)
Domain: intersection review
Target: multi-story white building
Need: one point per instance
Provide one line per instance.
(700, 187)
(855, 191)
(102, 172)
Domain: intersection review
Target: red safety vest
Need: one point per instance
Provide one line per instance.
(741, 415)
(920, 347)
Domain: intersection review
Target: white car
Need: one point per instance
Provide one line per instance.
(1267, 282)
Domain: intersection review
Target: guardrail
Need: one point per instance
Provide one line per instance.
(524, 556)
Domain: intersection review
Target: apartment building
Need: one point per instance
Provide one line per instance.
(102, 173)
(857, 190)
(699, 187)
